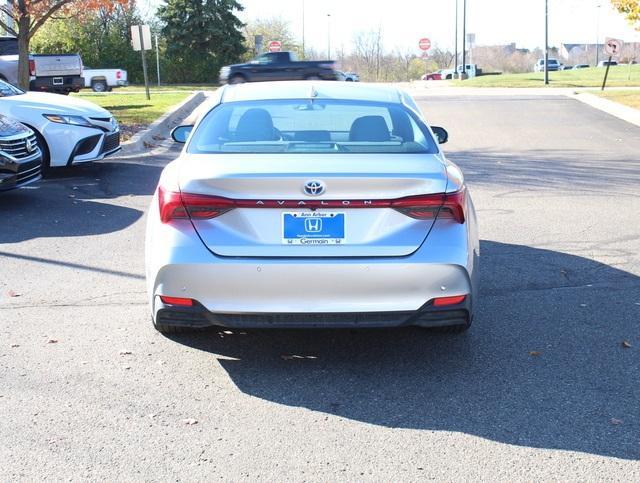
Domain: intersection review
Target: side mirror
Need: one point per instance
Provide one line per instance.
(441, 134)
(181, 134)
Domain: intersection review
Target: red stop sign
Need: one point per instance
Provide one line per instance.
(275, 46)
(424, 44)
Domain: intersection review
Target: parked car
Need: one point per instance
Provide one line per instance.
(565, 67)
(552, 65)
(344, 77)
(437, 75)
(605, 63)
(9, 59)
(103, 80)
(61, 74)
(49, 73)
(581, 66)
(341, 211)
(69, 130)
(471, 70)
(280, 66)
(20, 156)
(352, 76)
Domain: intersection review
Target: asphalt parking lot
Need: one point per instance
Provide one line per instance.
(545, 385)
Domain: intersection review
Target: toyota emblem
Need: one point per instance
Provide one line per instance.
(314, 187)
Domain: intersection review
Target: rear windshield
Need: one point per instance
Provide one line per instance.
(311, 126)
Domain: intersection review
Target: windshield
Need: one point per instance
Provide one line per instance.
(7, 90)
(311, 126)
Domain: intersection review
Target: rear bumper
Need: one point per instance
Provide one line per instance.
(310, 292)
(57, 84)
(198, 316)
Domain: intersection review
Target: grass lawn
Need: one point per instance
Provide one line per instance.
(618, 77)
(133, 111)
(164, 88)
(629, 98)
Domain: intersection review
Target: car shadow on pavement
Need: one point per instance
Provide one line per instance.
(545, 364)
(78, 201)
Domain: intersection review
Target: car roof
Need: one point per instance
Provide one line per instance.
(257, 91)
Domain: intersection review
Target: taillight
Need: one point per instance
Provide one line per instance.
(32, 67)
(446, 301)
(426, 207)
(118, 74)
(176, 205)
(180, 206)
(182, 302)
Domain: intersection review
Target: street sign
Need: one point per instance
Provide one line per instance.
(141, 41)
(275, 46)
(146, 37)
(424, 44)
(613, 47)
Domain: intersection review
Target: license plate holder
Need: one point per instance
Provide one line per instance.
(313, 228)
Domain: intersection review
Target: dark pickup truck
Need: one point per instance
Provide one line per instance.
(277, 66)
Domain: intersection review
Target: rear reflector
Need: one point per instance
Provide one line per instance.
(176, 205)
(176, 301)
(445, 301)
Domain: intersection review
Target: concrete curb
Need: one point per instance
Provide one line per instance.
(626, 113)
(145, 139)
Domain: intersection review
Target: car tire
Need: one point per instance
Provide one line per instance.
(46, 156)
(237, 79)
(348, 80)
(99, 86)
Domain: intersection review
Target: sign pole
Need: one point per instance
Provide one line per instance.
(158, 59)
(606, 73)
(546, 42)
(144, 63)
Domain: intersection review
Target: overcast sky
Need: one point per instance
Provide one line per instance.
(404, 22)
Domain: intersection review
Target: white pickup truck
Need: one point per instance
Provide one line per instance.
(103, 80)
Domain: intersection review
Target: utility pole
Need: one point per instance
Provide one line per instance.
(455, 62)
(303, 54)
(328, 36)
(464, 39)
(598, 36)
(158, 60)
(546, 42)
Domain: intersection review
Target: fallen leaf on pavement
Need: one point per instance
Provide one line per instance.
(52, 341)
(190, 421)
(125, 353)
(534, 353)
(616, 421)
(15, 345)
(626, 344)
(11, 293)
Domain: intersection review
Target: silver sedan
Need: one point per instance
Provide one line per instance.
(311, 204)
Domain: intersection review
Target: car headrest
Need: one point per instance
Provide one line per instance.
(369, 128)
(255, 125)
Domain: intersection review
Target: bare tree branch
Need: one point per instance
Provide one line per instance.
(8, 29)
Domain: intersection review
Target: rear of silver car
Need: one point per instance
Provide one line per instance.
(300, 237)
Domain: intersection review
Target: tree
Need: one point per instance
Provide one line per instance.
(271, 29)
(31, 15)
(201, 36)
(102, 39)
(630, 9)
